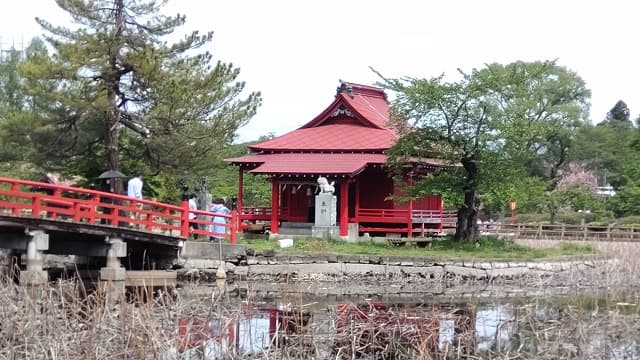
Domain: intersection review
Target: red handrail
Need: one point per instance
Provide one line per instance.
(404, 216)
(27, 198)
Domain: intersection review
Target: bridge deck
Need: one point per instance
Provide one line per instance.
(71, 209)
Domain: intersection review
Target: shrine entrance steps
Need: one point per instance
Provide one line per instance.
(294, 228)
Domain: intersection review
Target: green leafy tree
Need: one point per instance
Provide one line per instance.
(122, 91)
(606, 149)
(449, 120)
(18, 117)
(489, 123)
(12, 95)
(11, 102)
(627, 198)
(541, 105)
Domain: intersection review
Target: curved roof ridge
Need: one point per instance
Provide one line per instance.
(382, 116)
(367, 104)
(331, 137)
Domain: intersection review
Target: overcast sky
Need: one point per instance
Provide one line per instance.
(295, 52)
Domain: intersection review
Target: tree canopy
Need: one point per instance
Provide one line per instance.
(117, 89)
(491, 122)
(619, 112)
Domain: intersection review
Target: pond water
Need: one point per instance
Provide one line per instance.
(577, 327)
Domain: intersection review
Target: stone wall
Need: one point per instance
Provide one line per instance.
(334, 265)
(338, 267)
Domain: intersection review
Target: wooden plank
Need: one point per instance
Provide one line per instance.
(151, 278)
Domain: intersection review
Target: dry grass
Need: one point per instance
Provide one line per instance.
(57, 322)
(63, 320)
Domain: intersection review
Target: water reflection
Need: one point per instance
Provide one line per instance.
(559, 328)
(494, 327)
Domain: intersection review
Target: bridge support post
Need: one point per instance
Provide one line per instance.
(113, 276)
(34, 275)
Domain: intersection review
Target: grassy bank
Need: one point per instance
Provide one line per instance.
(485, 247)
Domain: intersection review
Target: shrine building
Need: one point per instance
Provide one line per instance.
(346, 144)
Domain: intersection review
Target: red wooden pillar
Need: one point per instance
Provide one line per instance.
(15, 210)
(357, 190)
(234, 228)
(344, 208)
(410, 220)
(240, 194)
(275, 196)
(273, 321)
(184, 219)
(441, 226)
(410, 213)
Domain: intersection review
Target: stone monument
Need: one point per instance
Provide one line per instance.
(325, 211)
(203, 199)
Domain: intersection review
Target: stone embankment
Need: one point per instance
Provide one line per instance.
(337, 267)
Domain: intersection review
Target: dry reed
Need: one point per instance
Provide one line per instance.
(63, 320)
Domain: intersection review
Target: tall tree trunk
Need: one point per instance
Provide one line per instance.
(467, 228)
(111, 146)
(111, 78)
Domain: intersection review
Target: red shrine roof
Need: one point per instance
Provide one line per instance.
(348, 135)
(336, 137)
(355, 121)
(310, 163)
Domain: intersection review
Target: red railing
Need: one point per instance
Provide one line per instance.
(256, 213)
(262, 213)
(402, 215)
(23, 198)
(383, 215)
(402, 221)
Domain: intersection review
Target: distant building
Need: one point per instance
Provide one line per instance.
(606, 190)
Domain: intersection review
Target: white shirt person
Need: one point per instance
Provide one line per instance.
(134, 191)
(134, 186)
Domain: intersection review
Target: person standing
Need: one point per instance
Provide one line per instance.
(106, 186)
(193, 205)
(134, 191)
(219, 227)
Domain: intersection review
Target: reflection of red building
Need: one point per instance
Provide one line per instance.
(345, 143)
(245, 332)
(374, 326)
(195, 332)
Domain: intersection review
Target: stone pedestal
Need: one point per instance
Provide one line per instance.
(352, 235)
(113, 276)
(325, 210)
(325, 232)
(34, 275)
(112, 283)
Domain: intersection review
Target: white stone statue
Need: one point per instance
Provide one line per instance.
(325, 187)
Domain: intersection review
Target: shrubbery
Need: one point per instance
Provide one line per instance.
(574, 217)
(628, 220)
(531, 218)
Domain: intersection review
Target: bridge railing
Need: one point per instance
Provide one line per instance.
(34, 199)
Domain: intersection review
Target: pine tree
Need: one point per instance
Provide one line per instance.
(619, 112)
(121, 90)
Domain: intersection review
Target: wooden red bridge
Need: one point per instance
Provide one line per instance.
(88, 211)
(38, 218)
